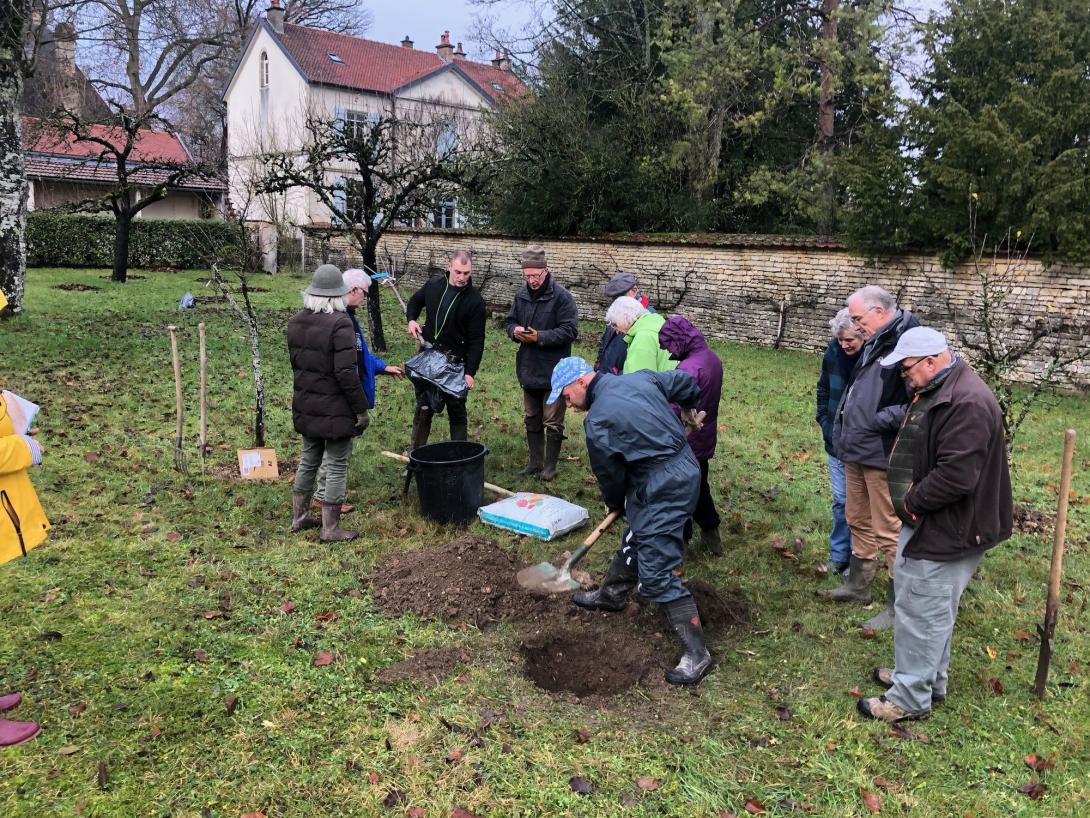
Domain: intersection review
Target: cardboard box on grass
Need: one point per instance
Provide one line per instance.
(258, 464)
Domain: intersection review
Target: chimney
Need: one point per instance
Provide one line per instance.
(406, 43)
(505, 63)
(458, 53)
(445, 50)
(497, 61)
(275, 16)
(64, 47)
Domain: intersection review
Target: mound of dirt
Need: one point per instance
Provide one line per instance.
(565, 649)
(426, 667)
(1030, 521)
(78, 288)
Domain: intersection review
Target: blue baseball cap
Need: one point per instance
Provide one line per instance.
(566, 371)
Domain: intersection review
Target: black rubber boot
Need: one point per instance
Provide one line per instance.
(459, 431)
(612, 593)
(553, 441)
(536, 443)
(421, 427)
(710, 541)
(331, 525)
(696, 662)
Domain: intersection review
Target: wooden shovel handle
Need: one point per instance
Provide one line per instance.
(177, 377)
(592, 538)
(493, 488)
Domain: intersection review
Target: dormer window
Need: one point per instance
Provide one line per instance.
(497, 87)
(264, 69)
(335, 58)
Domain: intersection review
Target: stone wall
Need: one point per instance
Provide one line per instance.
(769, 290)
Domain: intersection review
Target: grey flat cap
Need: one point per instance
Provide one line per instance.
(620, 284)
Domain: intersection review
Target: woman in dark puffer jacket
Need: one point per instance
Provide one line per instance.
(328, 405)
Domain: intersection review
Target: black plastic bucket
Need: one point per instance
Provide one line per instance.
(449, 480)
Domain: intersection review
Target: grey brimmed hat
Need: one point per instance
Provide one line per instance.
(327, 282)
(918, 342)
(533, 257)
(620, 284)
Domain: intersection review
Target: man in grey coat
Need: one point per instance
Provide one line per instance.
(644, 466)
(866, 423)
(543, 321)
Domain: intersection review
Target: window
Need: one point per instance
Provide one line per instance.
(353, 200)
(264, 70)
(335, 58)
(447, 215)
(357, 124)
(447, 140)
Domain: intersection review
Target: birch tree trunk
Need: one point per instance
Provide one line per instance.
(14, 15)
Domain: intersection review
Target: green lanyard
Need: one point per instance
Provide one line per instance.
(446, 315)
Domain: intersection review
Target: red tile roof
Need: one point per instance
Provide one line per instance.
(151, 146)
(367, 65)
(54, 154)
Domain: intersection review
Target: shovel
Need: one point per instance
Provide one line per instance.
(546, 578)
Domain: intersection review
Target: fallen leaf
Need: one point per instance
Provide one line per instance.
(899, 731)
(996, 686)
(881, 783)
(1034, 789)
(755, 807)
(580, 785)
(1023, 636)
(855, 693)
(647, 784)
(213, 614)
(459, 812)
(287, 607)
(454, 756)
(415, 812)
(871, 800)
(830, 746)
(68, 750)
(230, 704)
(582, 736)
(156, 732)
(76, 709)
(505, 747)
(868, 633)
(373, 778)
(325, 616)
(200, 656)
(173, 536)
(783, 713)
(393, 798)
(1038, 763)
(253, 815)
(102, 775)
(779, 543)
(92, 457)
(992, 652)
(323, 658)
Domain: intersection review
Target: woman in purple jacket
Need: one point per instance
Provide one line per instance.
(686, 344)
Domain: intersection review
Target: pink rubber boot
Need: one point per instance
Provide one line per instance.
(10, 702)
(16, 732)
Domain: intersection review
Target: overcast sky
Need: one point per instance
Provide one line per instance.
(425, 20)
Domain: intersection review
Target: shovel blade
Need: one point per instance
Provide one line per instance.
(546, 578)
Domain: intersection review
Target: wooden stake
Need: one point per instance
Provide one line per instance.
(1048, 629)
(204, 392)
(179, 453)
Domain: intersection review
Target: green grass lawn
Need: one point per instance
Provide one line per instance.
(152, 708)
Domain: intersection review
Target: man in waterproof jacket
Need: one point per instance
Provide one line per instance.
(543, 321)
(687, 345)
(951, 486)
(866, 423)
(454, 323)
(644, 466)
(612, 349)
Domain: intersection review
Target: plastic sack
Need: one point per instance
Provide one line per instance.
(539, 515)
(187, 302)
(434, 367)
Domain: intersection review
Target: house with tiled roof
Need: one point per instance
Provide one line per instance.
(63, 171)
(289, 73)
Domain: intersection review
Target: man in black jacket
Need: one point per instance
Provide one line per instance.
(951, 487)
(454, 324)
(543, 321)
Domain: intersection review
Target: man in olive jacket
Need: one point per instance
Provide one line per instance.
(950, 485)
(543, 321)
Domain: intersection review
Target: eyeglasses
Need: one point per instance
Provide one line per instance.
(906, 369)
(855, 319)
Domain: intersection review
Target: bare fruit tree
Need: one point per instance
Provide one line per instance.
(371, 175)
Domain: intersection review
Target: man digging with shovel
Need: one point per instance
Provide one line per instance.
(644, 466)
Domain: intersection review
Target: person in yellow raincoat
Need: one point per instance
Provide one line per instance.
(23, 524)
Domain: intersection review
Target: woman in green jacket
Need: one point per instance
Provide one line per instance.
(641, 334)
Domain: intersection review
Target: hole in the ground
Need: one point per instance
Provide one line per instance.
(586, 662)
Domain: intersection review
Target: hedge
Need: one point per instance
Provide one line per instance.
(78, 240)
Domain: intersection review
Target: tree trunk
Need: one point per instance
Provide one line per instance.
(374, 305)
(121, 248)
(827, 116)
(13, 184)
